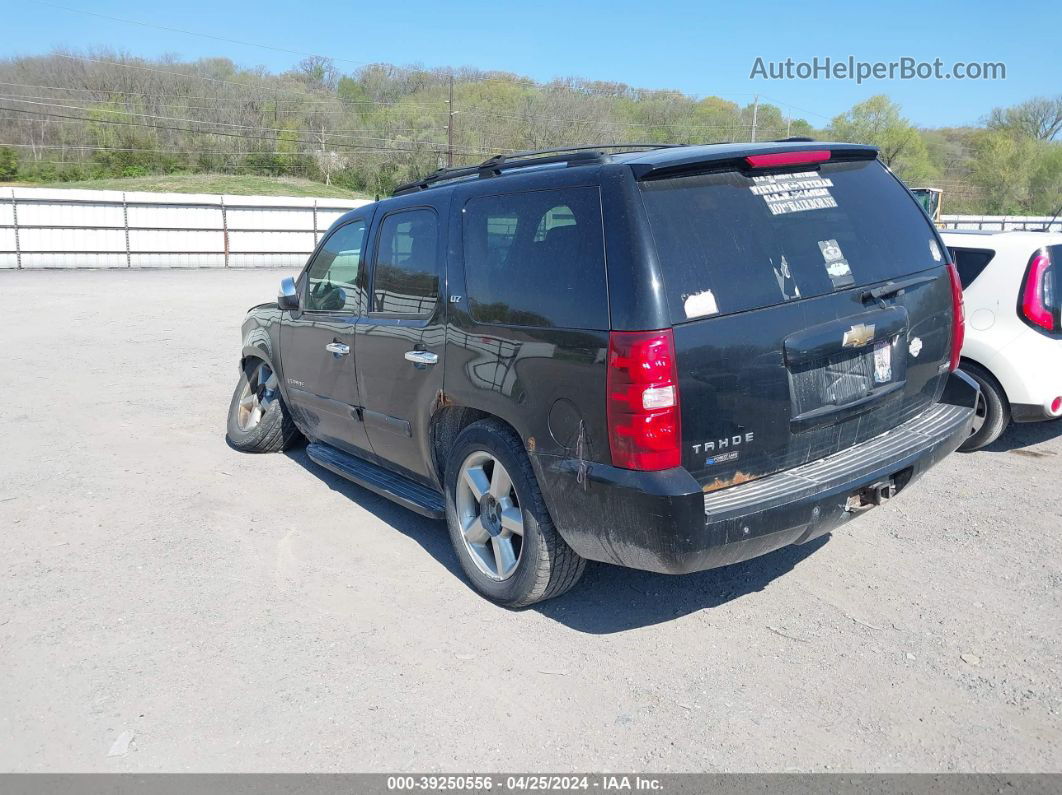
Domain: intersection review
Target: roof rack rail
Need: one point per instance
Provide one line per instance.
(796, 139)
(493, 167)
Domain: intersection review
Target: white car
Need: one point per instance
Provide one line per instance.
(1012, 287)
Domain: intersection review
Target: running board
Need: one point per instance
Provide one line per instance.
(406, 492)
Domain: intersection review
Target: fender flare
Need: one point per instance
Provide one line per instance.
(257, 344)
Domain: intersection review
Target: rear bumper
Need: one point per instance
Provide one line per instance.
(1029, 368)
(662, 521)
(1026, 412)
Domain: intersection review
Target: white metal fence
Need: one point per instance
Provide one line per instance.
(999, 223)
(44, 228)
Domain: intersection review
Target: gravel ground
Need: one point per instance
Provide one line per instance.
(169, 604)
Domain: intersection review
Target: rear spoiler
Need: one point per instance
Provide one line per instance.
(747, 157)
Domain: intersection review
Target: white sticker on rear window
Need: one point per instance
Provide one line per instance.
(934, 249)
(700, 304)
(794, 193)
(837, 267)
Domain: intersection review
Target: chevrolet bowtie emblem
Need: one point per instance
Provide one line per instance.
(858, 336)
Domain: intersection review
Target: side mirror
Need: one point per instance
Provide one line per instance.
(288, 297)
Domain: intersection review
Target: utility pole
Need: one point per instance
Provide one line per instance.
(755, 113)
(788, 126)
(450, 126)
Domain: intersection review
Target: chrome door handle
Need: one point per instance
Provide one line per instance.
(338, 348)
(422, 357)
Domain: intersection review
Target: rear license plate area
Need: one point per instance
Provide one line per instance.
(846, 379)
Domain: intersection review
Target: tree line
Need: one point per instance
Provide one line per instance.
(69, 116)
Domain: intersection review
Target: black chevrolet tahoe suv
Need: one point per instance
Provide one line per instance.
(670, 358)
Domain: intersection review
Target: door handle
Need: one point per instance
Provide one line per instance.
(338, 348)
(422, 357)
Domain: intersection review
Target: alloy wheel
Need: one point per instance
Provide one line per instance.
(492, 522)
(980, 414)
(257, 396)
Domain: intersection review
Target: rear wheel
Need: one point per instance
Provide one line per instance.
(992, 413)
(258, 419)
(499, 526)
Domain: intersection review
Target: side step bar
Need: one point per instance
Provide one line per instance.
(384, 482)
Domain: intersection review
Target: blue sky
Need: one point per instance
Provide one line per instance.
(701, 48)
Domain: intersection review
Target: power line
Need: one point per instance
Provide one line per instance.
(259, 44)
(178, 118)
(618, 124)
(85, 148)
(71, 120)
(272, 139)
(267, 97)
(195, 33)
(450, 73)
(172, 104)
(510, 79)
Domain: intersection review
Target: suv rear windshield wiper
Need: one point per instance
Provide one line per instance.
(891, 288)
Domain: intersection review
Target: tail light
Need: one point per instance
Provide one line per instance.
(643, 400)
(1036, 298)
(958, 317)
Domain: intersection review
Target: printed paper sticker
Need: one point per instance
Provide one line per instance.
(794, 193)
(700, 304)
(883, 362)
(837, 267)
(934, 249)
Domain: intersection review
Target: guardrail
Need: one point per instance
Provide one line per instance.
(45, 228)
(1000, 223)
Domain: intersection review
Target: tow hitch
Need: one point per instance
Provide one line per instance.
(869, 496)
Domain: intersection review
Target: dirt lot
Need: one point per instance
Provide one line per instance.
(234, 612)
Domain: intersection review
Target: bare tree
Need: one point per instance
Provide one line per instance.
(1039, 118)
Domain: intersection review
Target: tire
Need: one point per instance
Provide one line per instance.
(993, 410)
(544, 566)
(259, 421)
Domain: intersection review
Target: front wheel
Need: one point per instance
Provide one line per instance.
(499, 526)
(992, 413)
(258, 419)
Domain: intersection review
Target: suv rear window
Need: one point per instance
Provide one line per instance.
(536, 259)
(730, 242)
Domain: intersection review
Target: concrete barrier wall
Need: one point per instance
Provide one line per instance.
(46, 228)
(999, 223)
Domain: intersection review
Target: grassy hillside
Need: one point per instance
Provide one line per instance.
(235, 184)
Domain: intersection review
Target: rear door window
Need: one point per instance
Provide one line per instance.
(536, 259)
(730, 242)
(970, 262)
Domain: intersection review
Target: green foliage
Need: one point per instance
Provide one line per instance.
(382, 125)
(1018, 174)
(878, 122)
(8, 163)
